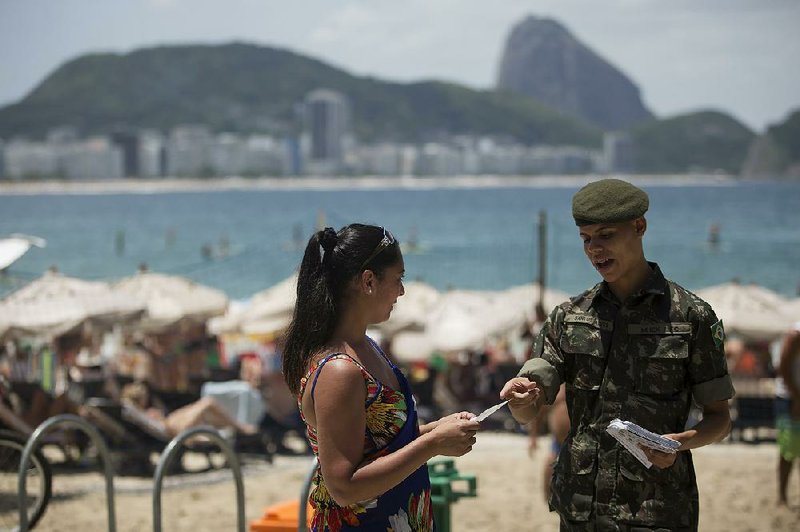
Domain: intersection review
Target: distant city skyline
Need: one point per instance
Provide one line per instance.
(738, 56)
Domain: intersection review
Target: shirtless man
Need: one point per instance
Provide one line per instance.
(558, 425)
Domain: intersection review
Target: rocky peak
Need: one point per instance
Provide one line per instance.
(543, 60)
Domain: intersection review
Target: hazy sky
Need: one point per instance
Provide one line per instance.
(741, 56)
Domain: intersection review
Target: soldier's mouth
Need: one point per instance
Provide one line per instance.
(603, 265)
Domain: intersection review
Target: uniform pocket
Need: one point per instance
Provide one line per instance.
(586, 363)
(572, 493)
(661, 366)
(653, 497)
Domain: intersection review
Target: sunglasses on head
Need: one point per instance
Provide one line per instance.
(387, 240)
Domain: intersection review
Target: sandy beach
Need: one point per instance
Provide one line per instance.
(737, 493)
(171, 184)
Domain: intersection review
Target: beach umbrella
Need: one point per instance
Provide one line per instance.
(466, 319)
(751, 311)
(54, 304)
(412, 308)
(230, 322)
(463, 319)
(170, 299)
(266, 312)
(793, 309)
(277, 300)
(39, 319)
(411, 346)
(15, 246)
(524, 298)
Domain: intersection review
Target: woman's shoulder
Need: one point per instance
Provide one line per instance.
(337, 362)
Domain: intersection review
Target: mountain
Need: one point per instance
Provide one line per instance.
(543, 60)
(701, 141)
(777, 152)
(244, 87)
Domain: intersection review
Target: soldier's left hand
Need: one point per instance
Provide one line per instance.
(660, 459)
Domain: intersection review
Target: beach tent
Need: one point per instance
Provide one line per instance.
(750, 311)
(55, 304)
(171, 300)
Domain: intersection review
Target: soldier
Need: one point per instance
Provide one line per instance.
(636, 347)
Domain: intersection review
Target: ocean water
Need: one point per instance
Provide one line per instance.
(475, 238)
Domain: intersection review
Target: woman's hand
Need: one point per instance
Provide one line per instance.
(424, 429)
(454, 435)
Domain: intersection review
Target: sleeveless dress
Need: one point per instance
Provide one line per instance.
(391, 424)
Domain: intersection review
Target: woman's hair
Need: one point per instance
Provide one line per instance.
(330, 263)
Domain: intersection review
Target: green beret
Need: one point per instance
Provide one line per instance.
(608, 201)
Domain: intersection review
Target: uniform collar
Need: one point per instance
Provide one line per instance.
(656, 284)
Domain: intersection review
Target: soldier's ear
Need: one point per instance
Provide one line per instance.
(640, 226)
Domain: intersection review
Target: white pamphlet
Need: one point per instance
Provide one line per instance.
(631, 436)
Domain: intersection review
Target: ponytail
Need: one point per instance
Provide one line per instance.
(314, 312)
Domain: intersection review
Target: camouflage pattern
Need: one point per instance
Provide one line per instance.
(642, 361)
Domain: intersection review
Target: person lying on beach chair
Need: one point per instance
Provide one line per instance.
(136, 403)
(134, 429)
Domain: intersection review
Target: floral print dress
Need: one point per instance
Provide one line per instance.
(391, 424)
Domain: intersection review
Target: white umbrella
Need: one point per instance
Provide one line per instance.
(793, 309)
(464, 319)
(525, 297)
(752, 311)
(228, 323)
(55, 304)
(267, 312)
(15, 246)
(411, 346)
(170, 299)
(275, 300)
(412, 308)
(39, 319)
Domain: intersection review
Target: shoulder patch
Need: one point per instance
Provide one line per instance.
(718, 333)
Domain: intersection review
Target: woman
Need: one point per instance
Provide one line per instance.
(357, 406)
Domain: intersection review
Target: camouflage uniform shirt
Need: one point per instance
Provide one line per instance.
(643, 361)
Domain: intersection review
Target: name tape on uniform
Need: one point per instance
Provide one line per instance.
(585, 319)
(660, 328)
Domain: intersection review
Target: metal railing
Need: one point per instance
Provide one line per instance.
(165, 460)
(76, 422)
(302, 519)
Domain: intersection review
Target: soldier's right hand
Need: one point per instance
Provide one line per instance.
(523, 397)
(520, 392)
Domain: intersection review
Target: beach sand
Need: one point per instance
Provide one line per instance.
(172, 184)
(737, 492)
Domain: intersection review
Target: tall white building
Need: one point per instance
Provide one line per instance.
(327, 124)
(151, 154)
(30, 159)
(188, 152)
(618, 152)
(94, 158)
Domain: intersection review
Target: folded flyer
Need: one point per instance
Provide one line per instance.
(631, 436)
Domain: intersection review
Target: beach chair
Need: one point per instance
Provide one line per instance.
(133, 438)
